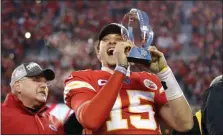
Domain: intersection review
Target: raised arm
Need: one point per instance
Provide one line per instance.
(92, 110)
(176, 112)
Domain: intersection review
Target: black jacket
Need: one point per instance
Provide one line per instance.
(72, 126)
(212, 109)
(211, 112)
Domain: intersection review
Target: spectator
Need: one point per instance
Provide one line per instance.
(24, 110)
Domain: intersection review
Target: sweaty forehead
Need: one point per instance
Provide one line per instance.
(112, 36)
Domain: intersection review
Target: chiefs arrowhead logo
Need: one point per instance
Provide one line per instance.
(102, 82)
(150, 84)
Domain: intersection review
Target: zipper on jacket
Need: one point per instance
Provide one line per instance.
(40, 125)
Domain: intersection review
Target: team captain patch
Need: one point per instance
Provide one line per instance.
(150, 84)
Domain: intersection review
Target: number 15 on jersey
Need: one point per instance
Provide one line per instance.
(117, 121)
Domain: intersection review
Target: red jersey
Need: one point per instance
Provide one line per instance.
(135, 109)
(17, 119)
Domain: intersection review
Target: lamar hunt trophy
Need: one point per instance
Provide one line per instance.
(140, 33)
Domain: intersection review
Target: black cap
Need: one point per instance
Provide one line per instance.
(31, 69)
(113, 28)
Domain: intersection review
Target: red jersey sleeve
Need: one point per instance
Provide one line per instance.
(78, 88)
(81, 95)
(160, 95)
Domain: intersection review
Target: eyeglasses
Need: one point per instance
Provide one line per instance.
(37, 80)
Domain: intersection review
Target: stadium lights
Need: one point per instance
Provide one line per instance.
(27, 35)
(12, 56)
(90, 40)
(38, 1)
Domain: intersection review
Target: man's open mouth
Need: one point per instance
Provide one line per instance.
(110, 51)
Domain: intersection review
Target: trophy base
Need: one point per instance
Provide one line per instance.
(139, 60)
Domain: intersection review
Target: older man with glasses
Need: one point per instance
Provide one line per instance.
(23, 111)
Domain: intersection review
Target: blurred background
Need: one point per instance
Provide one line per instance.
(189, 33)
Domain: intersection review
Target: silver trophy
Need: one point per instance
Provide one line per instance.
(140, 33)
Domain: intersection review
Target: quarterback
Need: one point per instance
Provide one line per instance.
(115, 100)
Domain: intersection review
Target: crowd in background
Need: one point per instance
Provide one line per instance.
(63, 34)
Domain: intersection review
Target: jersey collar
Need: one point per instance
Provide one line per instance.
(13, 102)
(111, 71)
